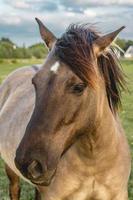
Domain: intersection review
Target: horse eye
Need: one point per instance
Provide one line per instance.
(78, 88)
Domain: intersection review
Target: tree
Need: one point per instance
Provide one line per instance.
(7, 40)
(38, 50)
(121, 43)
(124, 44)
(6, 49)
(128, 44)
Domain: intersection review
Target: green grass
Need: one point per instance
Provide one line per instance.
(126, 116)
(6, 66)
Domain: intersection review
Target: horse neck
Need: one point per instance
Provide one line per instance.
(101, 143)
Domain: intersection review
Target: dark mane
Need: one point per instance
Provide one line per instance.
(75, 49)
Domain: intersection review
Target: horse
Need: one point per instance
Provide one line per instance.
(70, 142)
(14, 116)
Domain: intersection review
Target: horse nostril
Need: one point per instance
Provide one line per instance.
(35, 169)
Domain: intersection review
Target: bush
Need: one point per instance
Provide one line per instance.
(9, 50)
(14, 61)
(38, 50)
(1, 61)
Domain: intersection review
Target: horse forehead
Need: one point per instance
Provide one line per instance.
(59, 69)
(53, 71)
(55, 67)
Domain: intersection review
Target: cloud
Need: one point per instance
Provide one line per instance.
(19, 24)
(75, 6)
(23, 4)
(84, 3)
(20, 4)
(33, 4)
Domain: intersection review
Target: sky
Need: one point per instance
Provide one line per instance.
(17, 17)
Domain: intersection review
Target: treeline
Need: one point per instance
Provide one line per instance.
(10, 50)
(124, 44)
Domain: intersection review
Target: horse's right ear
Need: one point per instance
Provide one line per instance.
(105, 41)
(47, 36)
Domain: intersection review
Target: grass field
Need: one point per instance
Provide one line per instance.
(126, 116)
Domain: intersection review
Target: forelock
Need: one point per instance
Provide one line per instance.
(75, 49)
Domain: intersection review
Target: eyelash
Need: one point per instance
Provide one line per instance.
(78, 88)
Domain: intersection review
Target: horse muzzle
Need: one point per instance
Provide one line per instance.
(38, 175)
(36, 172)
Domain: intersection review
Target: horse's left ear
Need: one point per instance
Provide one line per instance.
(47, 36)
(104, 41)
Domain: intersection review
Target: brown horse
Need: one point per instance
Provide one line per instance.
(74, 147)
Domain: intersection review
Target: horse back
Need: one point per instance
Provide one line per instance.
(17, 99)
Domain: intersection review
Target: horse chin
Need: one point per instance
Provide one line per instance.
(42, 183)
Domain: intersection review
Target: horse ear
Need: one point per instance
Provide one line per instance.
(47, 36)
(104, 41)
